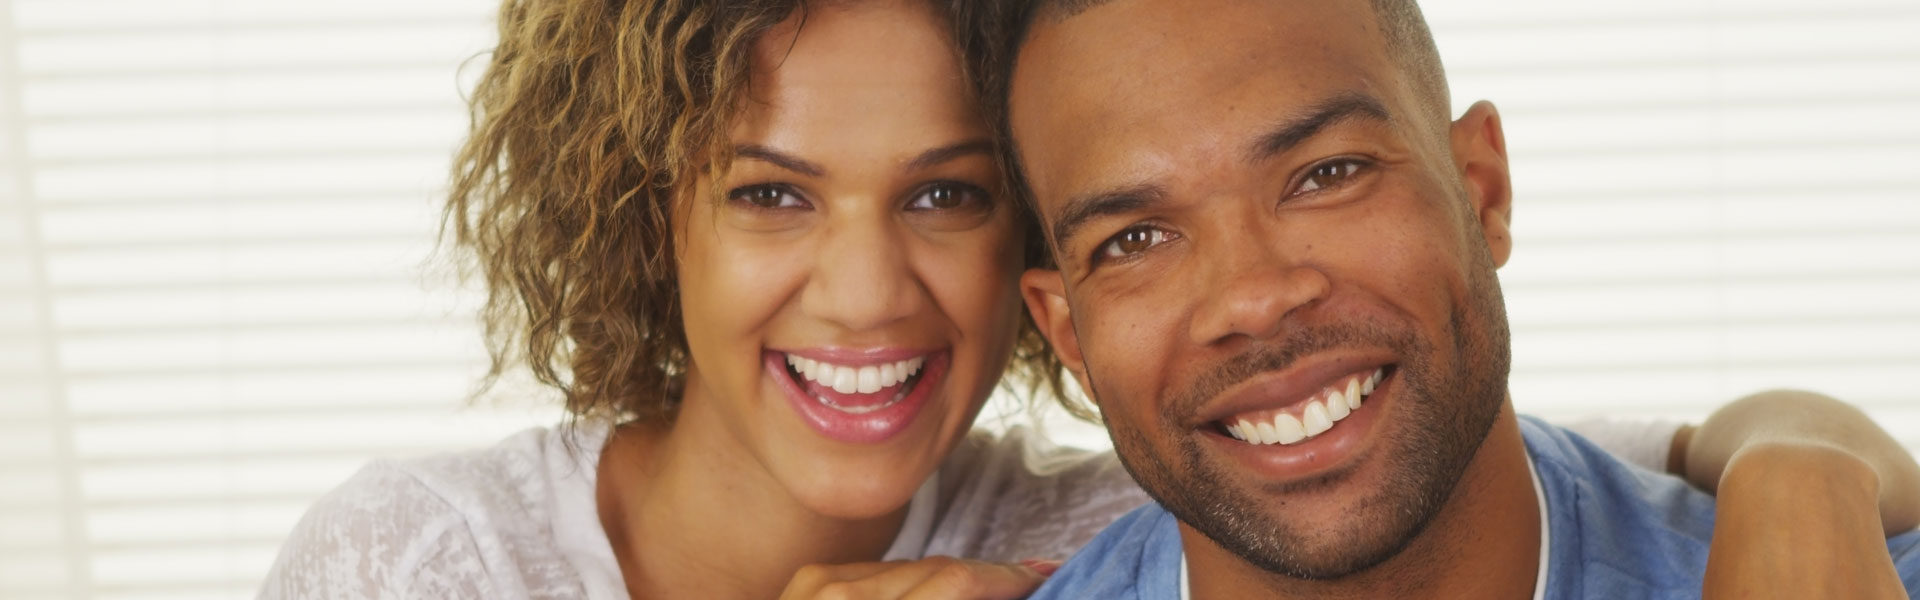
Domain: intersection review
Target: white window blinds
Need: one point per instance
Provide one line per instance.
(216, 219)
(215, 278)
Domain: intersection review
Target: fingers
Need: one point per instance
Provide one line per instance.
(977, 581)
(935, 578)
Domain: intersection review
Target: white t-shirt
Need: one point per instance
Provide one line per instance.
(518, 520)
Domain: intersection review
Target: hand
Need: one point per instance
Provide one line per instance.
(1799, 521)
(934, 578)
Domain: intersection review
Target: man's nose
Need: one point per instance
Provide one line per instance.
(1252, 286)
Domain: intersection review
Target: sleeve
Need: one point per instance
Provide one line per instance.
(1905, 550)
(1642, 443)
(382, 534)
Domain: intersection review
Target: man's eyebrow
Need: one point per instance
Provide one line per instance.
(950, 152)
(1291, 132)
(778, 159)
(1085, 209)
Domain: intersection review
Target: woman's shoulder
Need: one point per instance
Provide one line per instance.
(1015, 495)
(422, 526)
(369, 538)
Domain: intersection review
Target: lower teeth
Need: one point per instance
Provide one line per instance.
(859, 410)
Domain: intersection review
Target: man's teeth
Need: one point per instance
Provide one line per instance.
(849, 379)
(1331, 406)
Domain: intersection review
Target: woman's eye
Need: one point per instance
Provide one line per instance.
(947, 196)
(1133, 241)
(1329, 174)
(768, 197)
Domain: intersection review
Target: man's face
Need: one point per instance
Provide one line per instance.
(1256, 217)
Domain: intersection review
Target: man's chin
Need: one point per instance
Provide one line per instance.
(1324, 529)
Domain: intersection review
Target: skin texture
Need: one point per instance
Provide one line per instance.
(859, 253)
(1374, 237)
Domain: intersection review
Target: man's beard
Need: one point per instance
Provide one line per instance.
(1444, 413)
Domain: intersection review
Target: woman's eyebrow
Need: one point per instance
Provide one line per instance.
(949, 152)
(778, 159)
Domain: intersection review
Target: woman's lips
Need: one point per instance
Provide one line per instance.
(881, 397)
(847, 386)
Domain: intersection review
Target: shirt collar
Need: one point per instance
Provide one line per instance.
(1546, 539)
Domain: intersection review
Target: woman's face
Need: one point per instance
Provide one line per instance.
(851, 300)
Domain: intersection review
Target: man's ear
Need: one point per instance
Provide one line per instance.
(1480, 154)
(1046, 294)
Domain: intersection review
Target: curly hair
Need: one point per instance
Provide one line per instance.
(591, 119)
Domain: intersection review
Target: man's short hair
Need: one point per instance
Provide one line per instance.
(1409, 44)
(1409, 41)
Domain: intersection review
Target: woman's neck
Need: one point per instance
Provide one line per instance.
(691, 512)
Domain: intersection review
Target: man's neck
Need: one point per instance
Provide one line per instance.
(1483, 543)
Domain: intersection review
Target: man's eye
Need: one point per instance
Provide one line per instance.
(1133, 241)
(1329, 174)
(947, 196)
(768, 197)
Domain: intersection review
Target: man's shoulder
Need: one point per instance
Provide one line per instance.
(1136, 557)
(1616, 528)
(1905, 549)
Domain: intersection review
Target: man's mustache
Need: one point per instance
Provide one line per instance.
(1286, 351)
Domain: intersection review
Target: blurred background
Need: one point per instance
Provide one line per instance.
(219, 292)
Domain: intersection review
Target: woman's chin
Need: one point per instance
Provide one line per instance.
(854, 500)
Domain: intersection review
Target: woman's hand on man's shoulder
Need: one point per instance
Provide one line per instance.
(932, 578)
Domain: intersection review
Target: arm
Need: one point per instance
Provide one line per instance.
(1807, 487)
(1783, 425)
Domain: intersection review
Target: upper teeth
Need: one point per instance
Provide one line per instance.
(849, 379)
(1330, 406)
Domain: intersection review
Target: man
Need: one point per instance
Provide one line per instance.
(1275, 274)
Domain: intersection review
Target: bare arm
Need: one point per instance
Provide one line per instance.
(1798, 477)
(1794, 423)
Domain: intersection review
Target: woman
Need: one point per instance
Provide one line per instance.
(770, 243)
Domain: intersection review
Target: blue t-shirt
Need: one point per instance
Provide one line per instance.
(1617, 531)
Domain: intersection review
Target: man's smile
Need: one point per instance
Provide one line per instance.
(1307, 419)
(1302, 422)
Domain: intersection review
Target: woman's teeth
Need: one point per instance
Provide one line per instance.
(851, 380)
(1330, 406)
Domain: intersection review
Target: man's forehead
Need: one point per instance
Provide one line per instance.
(1146, 85)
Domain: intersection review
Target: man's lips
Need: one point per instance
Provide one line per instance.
(1289, 388)
(1306, 420)
(1296, 438)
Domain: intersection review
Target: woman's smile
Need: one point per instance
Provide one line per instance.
(861, 395)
